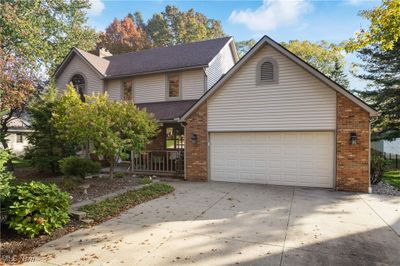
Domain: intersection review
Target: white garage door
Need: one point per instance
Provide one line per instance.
(280, 158)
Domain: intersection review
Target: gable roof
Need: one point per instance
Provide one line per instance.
(313, 71)
(163, 59)
(167, 111)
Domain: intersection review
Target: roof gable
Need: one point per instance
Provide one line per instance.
(292, 57)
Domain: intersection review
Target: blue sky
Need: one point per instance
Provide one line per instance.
(283, 20)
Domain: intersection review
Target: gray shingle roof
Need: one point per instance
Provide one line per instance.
(167, 110)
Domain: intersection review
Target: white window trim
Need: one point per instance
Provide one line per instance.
(167, 98)
(275, 69)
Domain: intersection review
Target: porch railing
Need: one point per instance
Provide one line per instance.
(158, 161)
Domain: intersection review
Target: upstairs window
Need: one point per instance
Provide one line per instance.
(267, 71)
(20, 138)
(127, 91)
(173, 86)
(78, 81)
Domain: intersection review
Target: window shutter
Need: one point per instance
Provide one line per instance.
(267, 72)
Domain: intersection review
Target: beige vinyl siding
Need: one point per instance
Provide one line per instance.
(222, 62)
(298, 102)
(114, 89)
(192, 84)
(94, 84)
(149, 88)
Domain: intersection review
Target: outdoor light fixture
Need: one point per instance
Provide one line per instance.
(353, 138)
(194, 138)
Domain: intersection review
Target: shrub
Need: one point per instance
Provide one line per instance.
(37, 208)
(378, 165)
(76, 166)
(145, 180)
(5, 176)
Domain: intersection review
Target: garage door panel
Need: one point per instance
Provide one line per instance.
(282, 158)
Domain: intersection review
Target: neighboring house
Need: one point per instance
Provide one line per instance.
(269, 119)
(386, 146)
(17, 136)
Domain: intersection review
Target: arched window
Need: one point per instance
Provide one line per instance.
(78, 81)
(267, 71)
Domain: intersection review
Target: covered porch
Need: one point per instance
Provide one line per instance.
(165, 154)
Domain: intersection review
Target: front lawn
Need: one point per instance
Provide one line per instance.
(392, 178)
(109, 208)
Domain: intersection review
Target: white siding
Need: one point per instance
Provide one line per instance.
(192, 84)
(149, 88)
(298, 102)
(114, 89)
(77, 66)
(18, 148)
(220, 65)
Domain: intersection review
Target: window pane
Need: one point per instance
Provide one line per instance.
(175, 138)
(19, 138)
(127, 86)
(79, 84)
(173, 86)
(170, 143)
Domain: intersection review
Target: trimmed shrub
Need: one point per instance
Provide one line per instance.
(77, 166)
(5, 176)
(37, 208)
(378, 167)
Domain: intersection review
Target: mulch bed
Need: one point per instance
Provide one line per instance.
(16, 249)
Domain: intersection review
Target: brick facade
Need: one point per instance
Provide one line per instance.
(196, 154)
(352, 162)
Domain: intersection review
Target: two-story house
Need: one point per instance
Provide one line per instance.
(164, 81)
(268, 118)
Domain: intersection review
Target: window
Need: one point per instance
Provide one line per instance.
(127, 91)
(173, 86)
(79, 84)
(267, 71)
(20, 138)
(175, 138)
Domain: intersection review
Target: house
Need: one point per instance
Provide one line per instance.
(268, 118)
(386, 146)
(17, 136)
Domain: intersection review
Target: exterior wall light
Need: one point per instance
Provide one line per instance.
(353, 138)
(194, 138)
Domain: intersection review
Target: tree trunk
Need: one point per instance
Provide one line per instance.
(112, 163)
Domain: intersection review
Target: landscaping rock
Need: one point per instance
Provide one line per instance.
(87, 221)
(386, 189)
(79, 215)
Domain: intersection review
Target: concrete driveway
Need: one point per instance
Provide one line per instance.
(225, 224)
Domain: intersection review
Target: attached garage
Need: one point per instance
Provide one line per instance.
(279, 158)
(273, 119)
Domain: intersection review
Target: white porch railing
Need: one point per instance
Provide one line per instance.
(158, 161)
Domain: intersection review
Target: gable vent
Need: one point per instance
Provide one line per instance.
(267, 71)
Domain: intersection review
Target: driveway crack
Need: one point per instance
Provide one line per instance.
(287, 226)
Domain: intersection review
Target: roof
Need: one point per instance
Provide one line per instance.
(167, 111)
(313, 71)
(177, 57)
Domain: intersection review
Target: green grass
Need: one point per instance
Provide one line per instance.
(106, 209)
(393, 178)
(145, 180)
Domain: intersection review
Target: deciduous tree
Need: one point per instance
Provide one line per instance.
(384, 28)
(112, 128)
(326, 57)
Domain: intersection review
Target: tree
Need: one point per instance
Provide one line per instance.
(382, 69)
(47, 148)
(112, 128)
(174, 26)
(123, 36)
(244, 46)
(16, 88)
(43, 31)
(324, 56)
(384, 28)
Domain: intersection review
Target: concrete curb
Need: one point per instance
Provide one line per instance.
(81, 215)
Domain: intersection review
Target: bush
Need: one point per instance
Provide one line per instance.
(76, 166)
(5, 176)
(37, 208)
(378, 166)
(145, 180)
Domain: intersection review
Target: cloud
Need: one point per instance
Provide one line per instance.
(96, 8)
(271, 15)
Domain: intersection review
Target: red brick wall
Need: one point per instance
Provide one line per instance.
(196, 154)
(352, 162)
(157, 143)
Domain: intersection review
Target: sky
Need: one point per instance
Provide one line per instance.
(282, 20)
